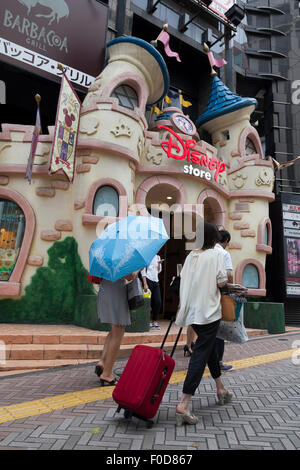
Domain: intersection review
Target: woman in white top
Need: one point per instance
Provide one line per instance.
(200, 306)
(151, 281)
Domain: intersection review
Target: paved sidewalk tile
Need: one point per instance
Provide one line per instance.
(263, 415)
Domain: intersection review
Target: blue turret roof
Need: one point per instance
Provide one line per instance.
(222, 101)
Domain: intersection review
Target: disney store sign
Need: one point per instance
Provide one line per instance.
(179, 149)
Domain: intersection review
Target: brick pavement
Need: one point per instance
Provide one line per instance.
(264, 413)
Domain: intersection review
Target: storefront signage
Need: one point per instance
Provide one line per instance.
(221, 6)
(291, 230)
(179, 149)
(38, 34)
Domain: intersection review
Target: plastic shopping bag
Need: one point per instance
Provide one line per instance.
(235, 332)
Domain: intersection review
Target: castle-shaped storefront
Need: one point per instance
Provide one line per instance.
(123, 166)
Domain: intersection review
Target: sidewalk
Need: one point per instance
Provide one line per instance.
(263, 415)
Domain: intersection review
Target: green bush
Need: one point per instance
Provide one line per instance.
(51, 295)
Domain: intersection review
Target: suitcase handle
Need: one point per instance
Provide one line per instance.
(160, 386)
(166, 335)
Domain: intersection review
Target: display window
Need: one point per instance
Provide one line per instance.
(12, 227)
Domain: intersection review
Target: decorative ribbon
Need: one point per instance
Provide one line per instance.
(215, 62)
(164, 37)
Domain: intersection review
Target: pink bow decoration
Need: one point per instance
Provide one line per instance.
(165, 39)
(215, 62)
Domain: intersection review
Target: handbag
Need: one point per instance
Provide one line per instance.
(235, 332)
(228, 306)
(135, 294)
(175, 285)
(147, 294)
(94, 279)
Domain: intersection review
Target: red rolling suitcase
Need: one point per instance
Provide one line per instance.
(144, 380)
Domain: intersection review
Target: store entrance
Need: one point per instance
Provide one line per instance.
(164, 201)
(173, 253)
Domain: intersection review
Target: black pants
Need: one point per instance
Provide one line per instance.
(220, 348)
(204, 352)
(155, 298)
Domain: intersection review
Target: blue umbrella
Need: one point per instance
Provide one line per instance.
(126, 246)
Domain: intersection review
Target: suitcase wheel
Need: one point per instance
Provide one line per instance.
(127, 414)
(149, 424)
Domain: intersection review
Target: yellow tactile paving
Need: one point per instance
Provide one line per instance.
(68, 400)
(241, 364)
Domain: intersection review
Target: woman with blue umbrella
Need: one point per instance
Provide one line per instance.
(121, 251)
(113, 309)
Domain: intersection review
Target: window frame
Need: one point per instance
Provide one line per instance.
(252, 134)
(12, 287)
(261, 291)
(117, 193)
(261, 246)
(124, 84)
(243, 273)
(89, 218)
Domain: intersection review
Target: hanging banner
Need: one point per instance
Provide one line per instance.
(34, 142)
(66, 131)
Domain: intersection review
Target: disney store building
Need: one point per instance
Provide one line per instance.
(125, 165)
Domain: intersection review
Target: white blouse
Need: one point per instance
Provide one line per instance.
(152, 271)
(199, 292)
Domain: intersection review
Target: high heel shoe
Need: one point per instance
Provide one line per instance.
(98, 370)
(188, 418)
(108, 383)
(224, 397)
(187, 351)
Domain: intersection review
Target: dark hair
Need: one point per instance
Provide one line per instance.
(224, 236)
(211, 235)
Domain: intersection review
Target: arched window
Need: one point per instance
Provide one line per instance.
(266, 234)
(250, 277)
(106, 202)
(12, 227)
(250, 143)
(127, 96)
(250, 148)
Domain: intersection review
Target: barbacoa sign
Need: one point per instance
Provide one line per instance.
(38, 34)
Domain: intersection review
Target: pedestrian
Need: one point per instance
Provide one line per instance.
(202, 275)
(112, 308)
(151, 282)
(190, 333)
(221, 246)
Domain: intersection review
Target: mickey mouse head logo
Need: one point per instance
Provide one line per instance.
(69, 118)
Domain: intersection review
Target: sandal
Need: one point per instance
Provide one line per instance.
(187, 351)
(107, 383)
(188, 418)
(224, 397)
